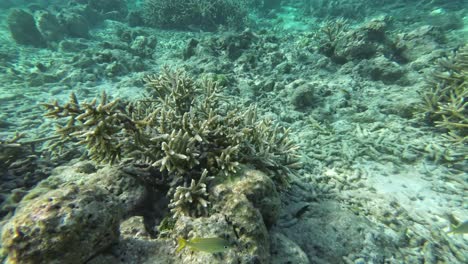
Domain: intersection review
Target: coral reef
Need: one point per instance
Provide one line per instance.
(374, 187)
(184, 129)
(98, 127)
(185, 139)
(342, 44)
(446, 103)
(329, 34)
(206, 14)
(242, 209)
(191, 200)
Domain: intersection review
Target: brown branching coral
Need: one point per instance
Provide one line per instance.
(331, 31)
(102, 128)
(445, 105)
(191, 200)
(185, 129)
(446, 102)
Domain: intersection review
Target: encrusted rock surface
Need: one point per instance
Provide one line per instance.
(243, 205)
(71, 216)
(23, 28)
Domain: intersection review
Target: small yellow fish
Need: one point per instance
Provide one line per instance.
(461, 228)
(209, 244)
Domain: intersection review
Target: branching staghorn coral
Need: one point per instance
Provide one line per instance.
(446, 102)
(445, 105)
(191, 200)
(102, 128)
(183, 128)
(232, 135)
(331, 31)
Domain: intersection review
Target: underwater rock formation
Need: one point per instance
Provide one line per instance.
(76, 25)
(284, 250)
(365, 42)
(244, 207)
(23, 28)
(303, 96)
(418, 43)
(49, 26)
(75, 214)
(381, 69)
(71, 216)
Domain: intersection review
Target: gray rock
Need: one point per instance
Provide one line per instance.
(49, 26)
(70, 210)
(75, 25)
(189, 49)
(420, 42)
(46, 227)
(329, 232)
(143, 46)
(23, 28)
(260, 190)
(72, 46)
(303, 96)
(284, 250)
(381, 69)
(364, 42)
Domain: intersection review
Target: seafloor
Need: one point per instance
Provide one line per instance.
(379, 182)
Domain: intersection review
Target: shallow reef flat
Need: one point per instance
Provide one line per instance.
(273, 131)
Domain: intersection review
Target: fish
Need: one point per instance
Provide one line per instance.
(209, 244)
(461, 228)
(301, 211)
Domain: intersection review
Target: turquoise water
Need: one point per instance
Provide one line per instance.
(305, 131)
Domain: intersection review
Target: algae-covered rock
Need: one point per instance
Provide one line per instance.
(420, 42)
(67, 225)
(236, 216)
(260, 190)
(303, 96)
(381, 69)
(49, 26)
(75, 25)
(242, 207)
(137, 246)
(71, 216)
(284, 250)
(23, 28)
